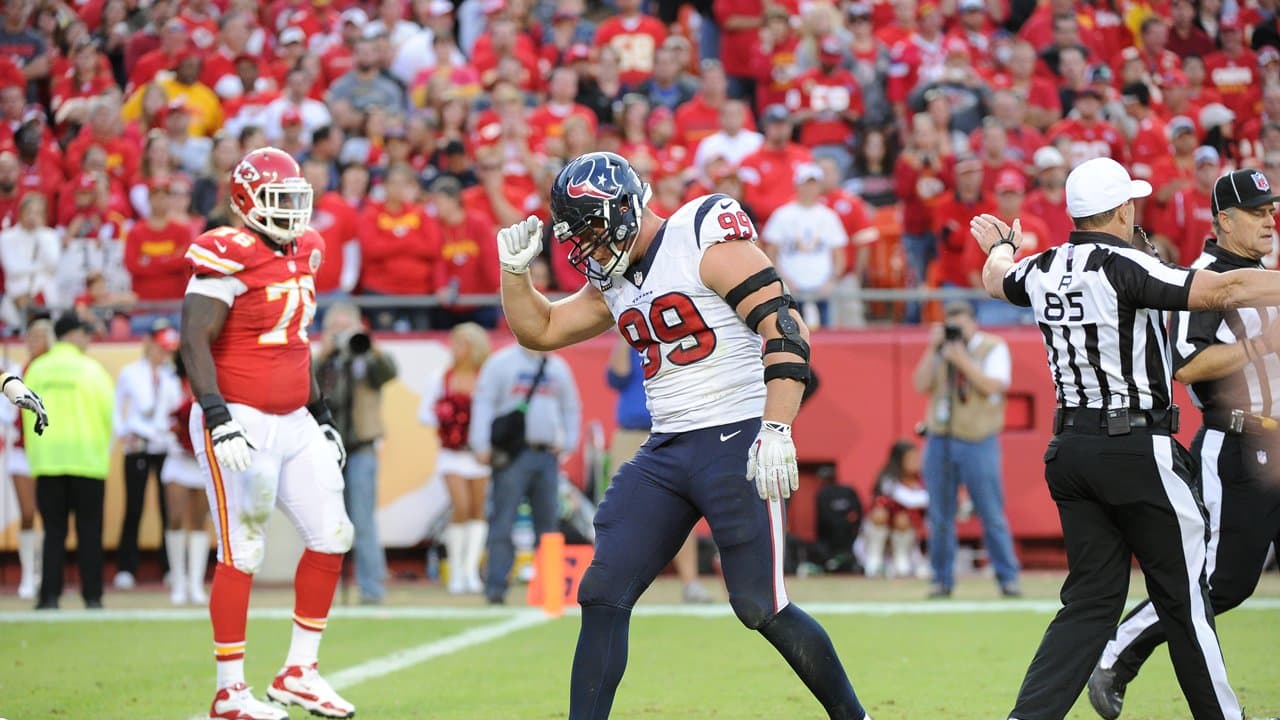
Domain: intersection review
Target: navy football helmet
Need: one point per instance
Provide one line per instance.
(597, 201)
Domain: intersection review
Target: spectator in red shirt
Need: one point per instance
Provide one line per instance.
(174, 42)
(918, 181)
(1185, 36)
(991, 143)
(154, 249)
(635, 37)
(85, 79)
(39, 169)
(854, 215)
(668, 190)
(827, 104)
(768, 173)
(468, 264)
(339, 58)
(1154, 51)
(147, 39)
(700, 117)
(740, 22)
(1190, 212)
(1021, 139)
(1151, 140)
(1233, 72)
(1049, 200)
(336, 221)
(1010, 190)
(103, 130)
(957, 264)
(1172, 173)
(219, 70)
(773, 57)
(399, 250)
(1087, 135)
(547, 120)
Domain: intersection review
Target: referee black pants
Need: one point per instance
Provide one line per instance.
(1240, 482)
(1120, 497)
(138, 469)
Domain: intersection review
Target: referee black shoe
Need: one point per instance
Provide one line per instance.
(1105, 694)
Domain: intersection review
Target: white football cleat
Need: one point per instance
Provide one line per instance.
(28, 586)
(303, 686)
(237, 703)
(197, 595)
(124, 580)
(178, 595)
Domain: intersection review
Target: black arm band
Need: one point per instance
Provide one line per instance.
(761, 311)
(215, 410)
(787, 345)
(756, 282)
(319, 410)
(787, 371)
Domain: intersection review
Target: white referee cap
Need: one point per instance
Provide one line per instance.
(1099, 185)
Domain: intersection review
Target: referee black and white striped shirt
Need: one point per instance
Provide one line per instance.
(1256, 387)
(1098, 304)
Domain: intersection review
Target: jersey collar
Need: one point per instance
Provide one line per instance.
(1226, 257)
(1081, 237)
(638, 272)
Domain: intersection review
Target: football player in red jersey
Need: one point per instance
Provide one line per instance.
(262, 430)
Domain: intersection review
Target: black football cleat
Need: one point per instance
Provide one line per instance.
(1106, 695)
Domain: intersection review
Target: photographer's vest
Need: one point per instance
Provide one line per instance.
(973, 416)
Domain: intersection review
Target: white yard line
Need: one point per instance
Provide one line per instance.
(936, 607)
(407, 658)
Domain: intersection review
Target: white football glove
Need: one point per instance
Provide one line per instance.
(23, 397)
(771, 462)
(335, 441)
(231, 444)
(519, 244)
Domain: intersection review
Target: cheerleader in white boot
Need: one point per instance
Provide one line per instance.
(187, 537)
(446, 406)
(30, 540)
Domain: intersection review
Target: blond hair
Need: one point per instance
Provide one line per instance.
(477, 341)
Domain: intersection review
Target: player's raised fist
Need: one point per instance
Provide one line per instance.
(519, 244)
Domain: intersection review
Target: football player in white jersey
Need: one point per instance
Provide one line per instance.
(695, 296)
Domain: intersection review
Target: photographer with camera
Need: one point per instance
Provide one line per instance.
(351, 373)
(965, 373)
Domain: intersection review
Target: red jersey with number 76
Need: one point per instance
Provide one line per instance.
(263, 354)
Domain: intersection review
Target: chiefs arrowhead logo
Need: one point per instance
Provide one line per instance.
(595, 178)
(1260, 182)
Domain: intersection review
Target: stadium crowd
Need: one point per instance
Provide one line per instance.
(426, 124)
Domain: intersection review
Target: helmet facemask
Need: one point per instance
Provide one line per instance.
(281, 210)
(615, 226)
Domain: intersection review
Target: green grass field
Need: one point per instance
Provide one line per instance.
(426, 655)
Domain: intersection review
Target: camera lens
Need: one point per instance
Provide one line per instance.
(359, 343)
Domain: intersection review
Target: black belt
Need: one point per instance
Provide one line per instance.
(1118, 421)
(541, 448)
(1239, 422)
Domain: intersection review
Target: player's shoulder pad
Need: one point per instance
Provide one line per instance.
(718, 218)
(222, 251)
(311, 247)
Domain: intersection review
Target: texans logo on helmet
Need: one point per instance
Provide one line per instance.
(594, 179)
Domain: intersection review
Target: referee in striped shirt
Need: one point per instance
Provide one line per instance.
(1123, 486)
(1229, 360)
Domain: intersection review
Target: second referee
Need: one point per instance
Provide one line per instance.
(1122, 485)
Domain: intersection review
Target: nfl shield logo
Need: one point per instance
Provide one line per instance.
(1262, 457)
(1260, 182)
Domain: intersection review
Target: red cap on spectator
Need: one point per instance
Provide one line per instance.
(1230, 22)
(1011, 181)
(722, 172)
(830, 50)
(1175, 78)
(666, 169)
(290, 117)
(164, 335)
(186, 55)
(576, 52)
(657, 115)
